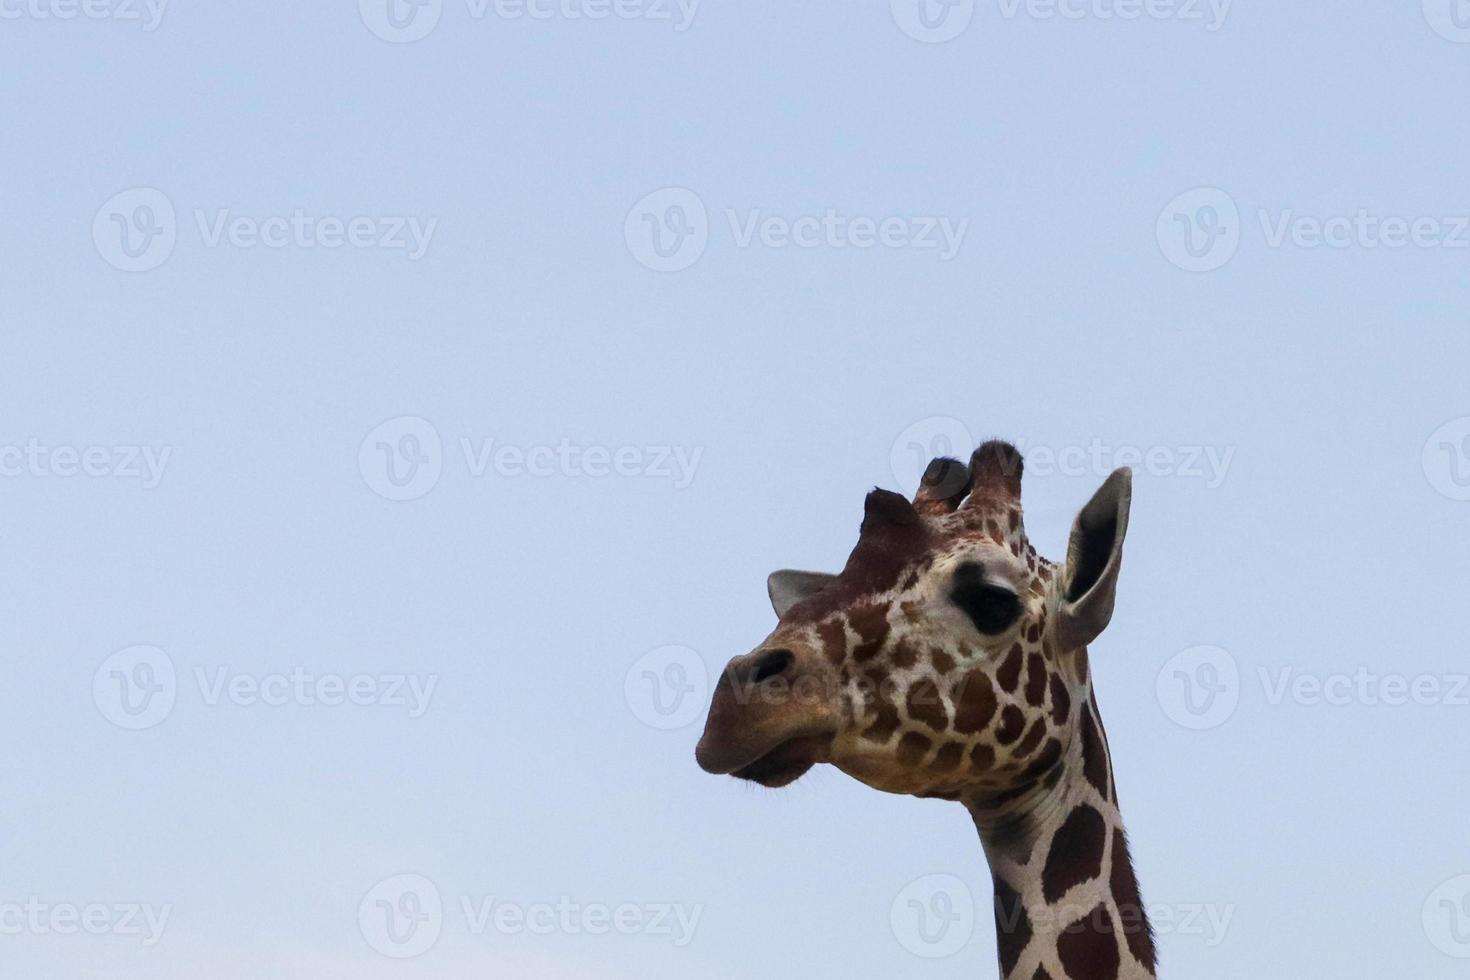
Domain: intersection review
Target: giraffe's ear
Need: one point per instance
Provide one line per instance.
(1090, 580)
(788, 587)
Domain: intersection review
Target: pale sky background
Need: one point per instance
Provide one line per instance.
(1331, 542)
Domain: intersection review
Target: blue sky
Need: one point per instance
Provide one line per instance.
(399, 416)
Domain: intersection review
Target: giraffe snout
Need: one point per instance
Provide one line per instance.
(771, 710)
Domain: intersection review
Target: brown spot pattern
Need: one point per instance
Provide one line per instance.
(912, 748)
(1094, 757)
(833, 635)
(1012, 927)
(1076, 854)
(950, 754)
(885, 724)
(1035, 680)
(1046, 763)
(1131, 915)
(976, 703)
(1061, 701)
(926, 706)
(982, 758)
(1088, 948)
(870, 622)
(1011, 723)
(1009, 673)
(1033, 738)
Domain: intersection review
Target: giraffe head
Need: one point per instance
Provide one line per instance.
(946, 658)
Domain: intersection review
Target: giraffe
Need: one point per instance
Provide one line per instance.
(948, 660)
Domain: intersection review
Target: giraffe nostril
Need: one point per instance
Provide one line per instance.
(772, 663)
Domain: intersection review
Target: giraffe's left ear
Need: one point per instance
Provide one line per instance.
(1090, 580)
(787, 587)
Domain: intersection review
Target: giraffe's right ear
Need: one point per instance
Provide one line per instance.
(787, 587)
(1090, 581)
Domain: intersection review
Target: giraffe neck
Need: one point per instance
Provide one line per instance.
(1067, 905)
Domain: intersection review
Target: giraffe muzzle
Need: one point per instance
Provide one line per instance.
(769, 721)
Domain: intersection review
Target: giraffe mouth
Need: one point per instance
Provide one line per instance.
(787, 762)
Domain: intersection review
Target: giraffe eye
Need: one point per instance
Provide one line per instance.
(990, 607)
